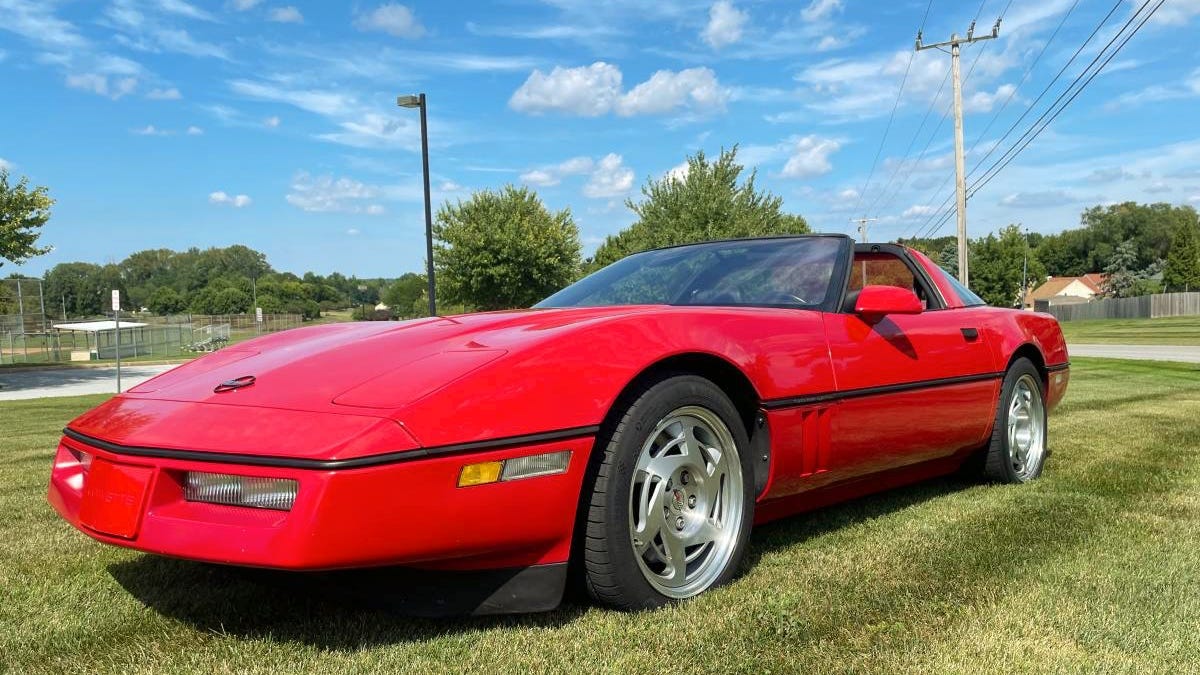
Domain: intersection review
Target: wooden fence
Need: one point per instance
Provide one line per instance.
(1141, 307)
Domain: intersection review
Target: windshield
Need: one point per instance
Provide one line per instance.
(789, 272)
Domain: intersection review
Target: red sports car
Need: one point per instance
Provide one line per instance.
(636, 424)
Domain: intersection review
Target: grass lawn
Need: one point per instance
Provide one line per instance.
(1092, 568)
(1176, 330)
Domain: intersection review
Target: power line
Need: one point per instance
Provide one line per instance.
(997, 169)
(1028, 137)
(891, 116)
(938, 217)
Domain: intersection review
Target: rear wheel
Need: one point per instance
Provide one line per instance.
(1017, 451)
(673, 502)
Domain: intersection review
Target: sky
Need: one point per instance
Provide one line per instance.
(179, 123)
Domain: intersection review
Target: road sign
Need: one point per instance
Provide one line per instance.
(116, 300)
(258, 314)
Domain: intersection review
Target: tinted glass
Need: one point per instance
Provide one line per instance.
(774, 272)
(965, 294)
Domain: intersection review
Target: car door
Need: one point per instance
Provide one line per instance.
(910, 388)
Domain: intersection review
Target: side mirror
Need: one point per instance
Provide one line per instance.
(878, 301)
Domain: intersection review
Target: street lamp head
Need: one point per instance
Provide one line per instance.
(409, 101)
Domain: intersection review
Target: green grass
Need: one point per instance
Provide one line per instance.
(1092, 568)
(1176, 330)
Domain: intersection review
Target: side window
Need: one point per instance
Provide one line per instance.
(884, 269)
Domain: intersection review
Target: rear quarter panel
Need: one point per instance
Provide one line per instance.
(1008, 330)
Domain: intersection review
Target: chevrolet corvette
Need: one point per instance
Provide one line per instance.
(635, 425)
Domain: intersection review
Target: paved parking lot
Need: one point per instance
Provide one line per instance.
(40, 382)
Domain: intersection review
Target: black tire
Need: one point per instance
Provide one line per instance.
(1002, 462)
(613, 574)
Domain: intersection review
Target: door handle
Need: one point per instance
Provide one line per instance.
(971, 334)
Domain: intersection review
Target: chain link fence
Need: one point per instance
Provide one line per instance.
(158, 337)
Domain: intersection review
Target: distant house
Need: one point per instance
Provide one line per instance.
(1066, 290)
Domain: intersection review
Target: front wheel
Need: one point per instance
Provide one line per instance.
(673, 500)
(1017, 452)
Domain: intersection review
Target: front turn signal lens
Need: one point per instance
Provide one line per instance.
(480, 474)
(277, 494)
(531, 466)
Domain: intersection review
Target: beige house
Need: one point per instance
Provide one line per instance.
(1065, 290)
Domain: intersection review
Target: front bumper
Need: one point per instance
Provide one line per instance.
(407, 513)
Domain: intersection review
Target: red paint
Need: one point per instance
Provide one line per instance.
(346, 391)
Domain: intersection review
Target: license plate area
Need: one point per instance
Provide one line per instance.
(114, 496)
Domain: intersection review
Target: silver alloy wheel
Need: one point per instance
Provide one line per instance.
(685, 511)
(1026, 428)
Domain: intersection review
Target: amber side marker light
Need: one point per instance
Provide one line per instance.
(546, 464)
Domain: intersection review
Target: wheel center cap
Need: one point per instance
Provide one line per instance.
(678, 499)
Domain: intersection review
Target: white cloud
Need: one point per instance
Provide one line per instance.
(271, 122)
(610, 179)
(222, 199)
(918, 211)
(725, 24)
(288, 14)
(151, 130)
(96, 83)
(321, 102)
(678, 172)
(1176, 12)
(1158, 187)
(392, 18)
(553, 175)
(194, 131)
(449, 186)
(819, 10)
(667, 90)
(327, 194)
(810, 157)
(183, 9)
(171, 94)
(982, 101)
(353, 232)
(5, 164)
(245, 5)
(596, 90)
(587, 90)
(373, 131)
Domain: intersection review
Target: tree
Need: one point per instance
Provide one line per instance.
(402, 295)
(166, 300)
(1120, 275)
(503, 249)
(707, 202)
(948, 258)
(997, 264)
(1182, 271)
(22, 213)
(219, 299)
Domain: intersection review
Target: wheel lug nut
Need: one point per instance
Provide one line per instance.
(692, 502)
(685, 478)
(679, 523)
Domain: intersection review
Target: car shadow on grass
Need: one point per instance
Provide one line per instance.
(359, 609)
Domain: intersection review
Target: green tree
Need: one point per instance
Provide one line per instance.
(402, 295)
(1182, 271)
(1120, 275)
(948, 258)
(503, 249)
(166, 300)
(706, 203)
(997, 264)
(23, 212)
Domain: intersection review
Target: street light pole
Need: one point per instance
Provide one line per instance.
(418, 101)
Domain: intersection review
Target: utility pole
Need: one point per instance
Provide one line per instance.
(960, 183)
(862, 226)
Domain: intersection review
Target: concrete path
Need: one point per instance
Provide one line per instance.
(39, 382)
(1187, 354)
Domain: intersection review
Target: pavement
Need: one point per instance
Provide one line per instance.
(42, 382)
(1186, 354)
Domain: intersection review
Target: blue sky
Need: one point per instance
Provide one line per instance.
(176, 123)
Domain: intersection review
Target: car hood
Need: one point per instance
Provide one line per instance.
(364, 367)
